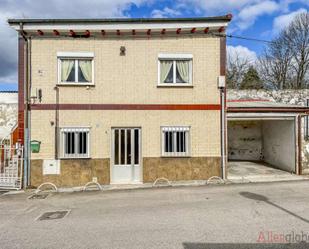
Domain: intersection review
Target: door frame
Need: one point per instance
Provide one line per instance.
(112, 154)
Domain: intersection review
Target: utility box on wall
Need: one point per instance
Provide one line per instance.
(51, 167)
(221, 82)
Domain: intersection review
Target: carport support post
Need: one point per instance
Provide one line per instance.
(299, 147)
(222, 87)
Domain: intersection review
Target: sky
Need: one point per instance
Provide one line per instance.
(251, 18)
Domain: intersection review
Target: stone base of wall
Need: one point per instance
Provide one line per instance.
(72, 172)
(75, 173)
(177, 169)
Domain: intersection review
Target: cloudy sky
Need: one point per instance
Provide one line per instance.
(261, 19)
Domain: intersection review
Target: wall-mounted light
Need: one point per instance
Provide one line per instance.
(122, 50)
(40, 95)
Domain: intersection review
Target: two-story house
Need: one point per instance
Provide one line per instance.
(121, 100)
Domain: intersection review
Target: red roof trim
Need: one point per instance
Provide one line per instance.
(173, 107)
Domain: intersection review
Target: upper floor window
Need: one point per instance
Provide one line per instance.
(75, 68)
(175, 69)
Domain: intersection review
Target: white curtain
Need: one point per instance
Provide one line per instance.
(66, 69)
(86, 67)
(165, 68)
(183, 69)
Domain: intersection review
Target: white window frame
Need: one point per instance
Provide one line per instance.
(62, 146)
(75, 56)
(187, 130)
(174, 58)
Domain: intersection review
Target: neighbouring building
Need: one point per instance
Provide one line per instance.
(121, 100)
(8, 114)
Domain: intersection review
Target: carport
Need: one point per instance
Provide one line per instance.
(263, 139)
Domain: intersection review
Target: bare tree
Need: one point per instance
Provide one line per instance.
(285, 61)
(237, 66)
(274, 64)
(296, 37)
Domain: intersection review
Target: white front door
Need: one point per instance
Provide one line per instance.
(126, 166)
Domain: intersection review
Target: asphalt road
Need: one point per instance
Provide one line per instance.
(230, 216)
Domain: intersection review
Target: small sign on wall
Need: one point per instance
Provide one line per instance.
(51, 167)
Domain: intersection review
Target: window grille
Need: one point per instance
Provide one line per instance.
(75, 142)
(175, 141)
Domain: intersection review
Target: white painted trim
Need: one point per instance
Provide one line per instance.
(112, 157)
(76, 70)
(120, 26)
(175, 128)
(184, 85)
(75, 84)
(176, 56)
(75, 128)
(76, 54)
(260, 116)
(174, 72)
(141, 179)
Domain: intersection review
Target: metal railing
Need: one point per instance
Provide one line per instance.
(11, 166)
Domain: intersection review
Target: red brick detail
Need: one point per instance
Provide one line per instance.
(175, 107)
(222, 55)
(21, 89)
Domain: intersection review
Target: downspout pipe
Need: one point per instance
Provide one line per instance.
(222, 131)
(26, 107)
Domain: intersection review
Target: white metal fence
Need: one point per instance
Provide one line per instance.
(11, 166)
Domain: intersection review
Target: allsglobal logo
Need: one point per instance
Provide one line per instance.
(275, 237)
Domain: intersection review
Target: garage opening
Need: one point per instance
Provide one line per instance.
(261, 148)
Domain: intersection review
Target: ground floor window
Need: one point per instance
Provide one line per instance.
(75, 142)
(175, 141)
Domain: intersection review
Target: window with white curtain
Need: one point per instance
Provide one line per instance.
(74, 142)
(175, 69)
(75, 68)
(175, 141)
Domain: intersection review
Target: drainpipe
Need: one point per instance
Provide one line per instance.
(221, 86)
(26, 109)
(223, 156)
(56, 88)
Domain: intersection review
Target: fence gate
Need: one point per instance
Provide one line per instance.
(11, 166)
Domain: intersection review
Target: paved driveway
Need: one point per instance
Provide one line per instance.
(188, 217)
(246, 171)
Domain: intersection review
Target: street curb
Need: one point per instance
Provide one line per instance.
(14, 192)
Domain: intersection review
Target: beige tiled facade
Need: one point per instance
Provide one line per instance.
(204, 129)
(129, 79)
